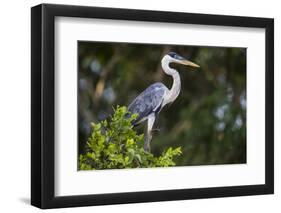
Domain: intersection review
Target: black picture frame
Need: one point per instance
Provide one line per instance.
(43, 102)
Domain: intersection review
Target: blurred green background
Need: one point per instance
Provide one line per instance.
(208, 119)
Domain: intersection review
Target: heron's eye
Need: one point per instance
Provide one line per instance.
(178, 57)
(175, 55)
(172, 54)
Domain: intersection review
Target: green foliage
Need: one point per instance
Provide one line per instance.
(115, 144)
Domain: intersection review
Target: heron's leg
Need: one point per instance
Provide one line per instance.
(150, 122)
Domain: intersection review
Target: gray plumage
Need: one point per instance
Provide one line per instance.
(149, 101)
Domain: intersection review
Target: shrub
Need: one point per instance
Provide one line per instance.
(114, 144)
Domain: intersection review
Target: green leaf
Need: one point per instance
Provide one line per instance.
(115, 144)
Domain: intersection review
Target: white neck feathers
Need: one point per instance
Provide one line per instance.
(175, 90)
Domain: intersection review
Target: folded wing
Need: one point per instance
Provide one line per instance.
(149, 101)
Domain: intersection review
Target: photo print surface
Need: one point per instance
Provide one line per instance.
(148, 105)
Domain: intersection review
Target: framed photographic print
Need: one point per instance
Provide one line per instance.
(139, 106)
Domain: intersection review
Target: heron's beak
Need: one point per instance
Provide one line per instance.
(188, 63)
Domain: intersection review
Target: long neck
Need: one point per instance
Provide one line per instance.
(175, 90)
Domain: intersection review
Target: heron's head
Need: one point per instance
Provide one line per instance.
(173, 57)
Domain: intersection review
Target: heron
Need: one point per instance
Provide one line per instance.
(152, 100)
